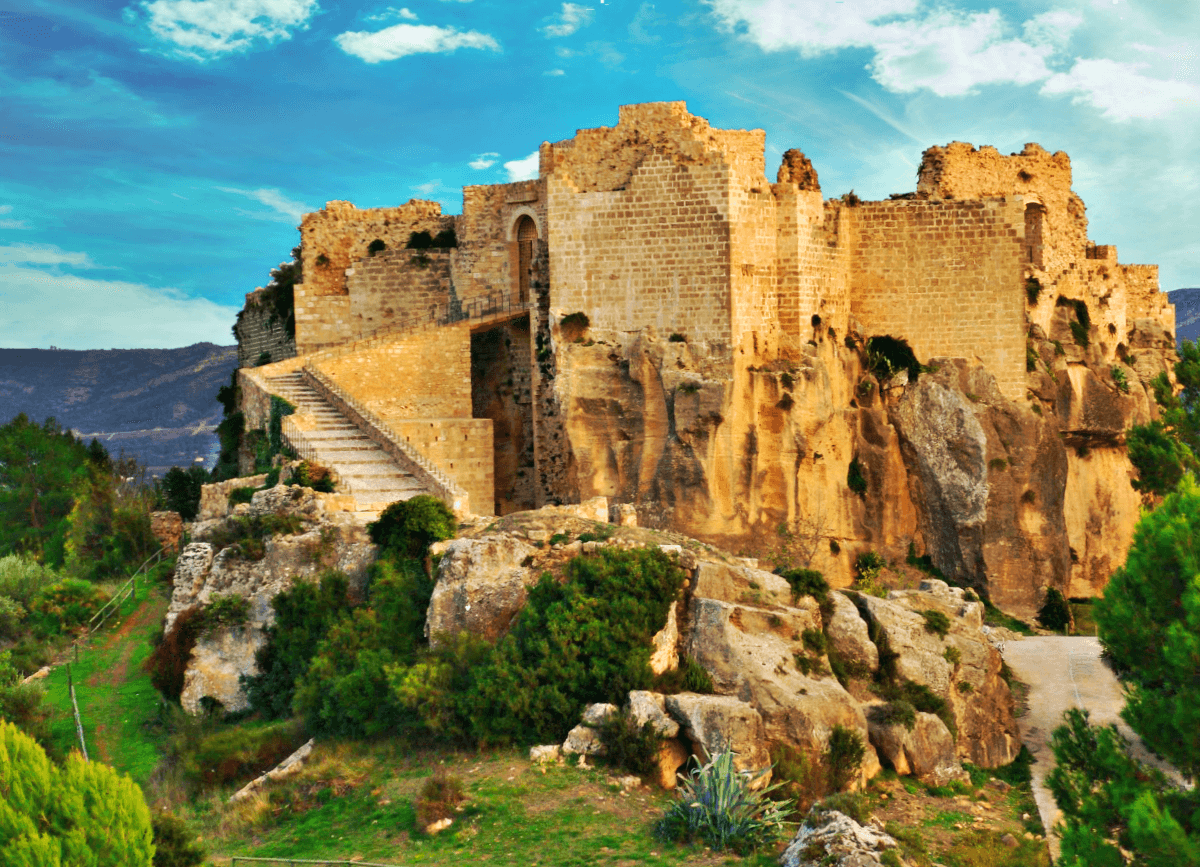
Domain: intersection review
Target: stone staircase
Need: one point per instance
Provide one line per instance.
(363, 469)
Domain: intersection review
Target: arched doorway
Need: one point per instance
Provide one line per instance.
(526, 238)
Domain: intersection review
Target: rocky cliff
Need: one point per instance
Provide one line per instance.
(814, 454)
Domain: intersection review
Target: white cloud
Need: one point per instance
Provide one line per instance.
(483, 161)
(43, 254)
(10, 223)
(286, 210)
(104, 313)
(812, 26)
(392, 12)
(1120, 91)
(571, 18)
(951, 54)
(428, 187)
(203, 29)
(523, 170)
(402, 40)
(1052, 28)
(554, 72)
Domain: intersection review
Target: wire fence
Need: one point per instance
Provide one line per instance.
(291, 861)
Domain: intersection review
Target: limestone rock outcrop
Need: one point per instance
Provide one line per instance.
(834, 839)
(481, 584)
(925, 751)
(222, 656)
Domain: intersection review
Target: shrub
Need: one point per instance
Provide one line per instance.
(852, 804)
(241, 495)
(240, 753)
(378, 246)
(888, 355)
(22, 578)
(23, 704)
(1033, 289)
(716, 806)
(439, 798)
(677, 338)
(576, 321)
(315, 476)
(304, 614)
(952, 655)
(559, 539)
(1031, 359)
(584, 640)
(11, 615)
(1055, 612)
(409, 527)
(249, 533)
(810, 582)
(690, 676)
(814, 640)
(175, 843)
(168, 662)
(855, 480)
(898, 712)
(1119, 378)
(936, 623)
(435, 690)
(868, 565)
(225, 610)
(844, 756)
(629, 745)
(802, 778)
(920, 697)
(845, 670)
(66, 605)
(805, 664)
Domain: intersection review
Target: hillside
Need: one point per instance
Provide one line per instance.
(1187, 314)
(157, 404)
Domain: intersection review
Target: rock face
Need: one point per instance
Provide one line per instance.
(834, 839)
(220, 658)
(926, 751)
(753, 452)
(716, 723)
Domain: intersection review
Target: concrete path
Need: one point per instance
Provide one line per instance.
(1062, 673)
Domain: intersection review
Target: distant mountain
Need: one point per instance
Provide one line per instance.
(157, 404)
(1187, 314)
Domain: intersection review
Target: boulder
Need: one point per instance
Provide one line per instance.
(750, 654)
(715, 723)
(594, 715)
(481, 585)
(650, 707)
(217, 663)
(672, 756)
(741, 584)
(926, 751)
(545, 754)
(584, 741)
(833, 839)
(665, 655)
(848, 635)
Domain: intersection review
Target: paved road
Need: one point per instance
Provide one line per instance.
(1062, 673)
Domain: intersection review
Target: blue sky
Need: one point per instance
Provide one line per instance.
(156, 155)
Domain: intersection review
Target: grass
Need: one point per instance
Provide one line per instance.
(1081, 610)
(117, 704)
(514, 814)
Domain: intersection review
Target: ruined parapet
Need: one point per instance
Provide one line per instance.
(262, 332)
(798, 169)
(604, 158)
(332, 240)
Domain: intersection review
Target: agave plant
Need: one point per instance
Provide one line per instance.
(716, 805)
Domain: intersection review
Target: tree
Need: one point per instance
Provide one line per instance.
(83, 814)
(1149, 625)
(41, 470)
(181, 490)
(1164, 450)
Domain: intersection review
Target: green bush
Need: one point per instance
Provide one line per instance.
(886, 356)
(249, 533)
(844, 756)
(952, 655)
(175, 843)
(11, 615)
(304, 614)
(409, 527)
(347, 690)
(559, 539)
(715, 806)
(631, 746)
(65, 606)
(1055, 613)
(583, 640)
(855, 480)
(315, 476)
(240, 753)
(898, 712)
(23, 704)
(814, 640)
(690, 676)
(22, 578)
(1119, 378)
(225, 610)
(921, 697)
(852, 804)
(241, 495)
(435, 691)
(802, 778)
(936, 623)
(868, 565)
(846, 670)
(807, 582)
(1033, 289)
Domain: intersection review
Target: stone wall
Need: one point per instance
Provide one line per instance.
(946, 276)
(259, 330)
(459, 447)
(398, 286)
(332, 240)
(656, 253)
(502, 391)
(423, 374)
(487, 260)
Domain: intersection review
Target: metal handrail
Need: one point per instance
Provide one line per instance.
(117, 598)
(237, 858)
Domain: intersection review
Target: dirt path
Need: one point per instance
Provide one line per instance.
(1062, 673)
